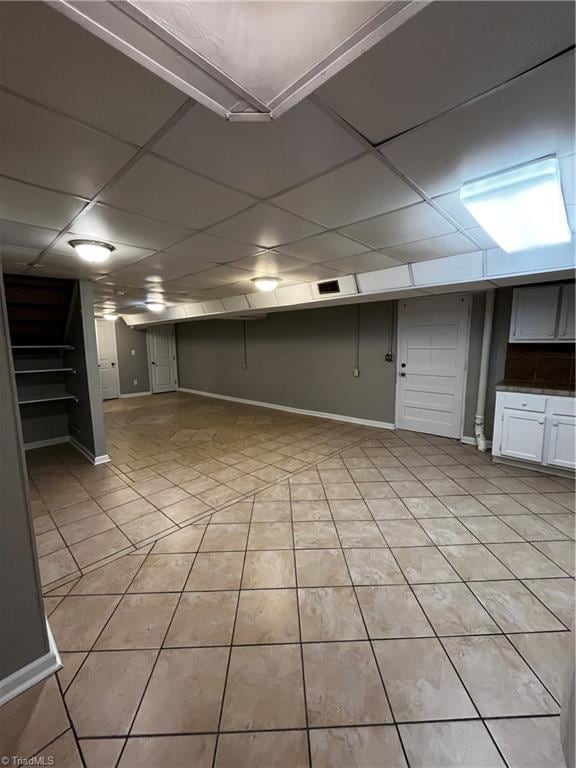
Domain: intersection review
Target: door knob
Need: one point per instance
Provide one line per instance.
(153, 363)
(402, 373)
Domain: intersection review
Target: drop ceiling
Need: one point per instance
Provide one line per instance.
(363, 175)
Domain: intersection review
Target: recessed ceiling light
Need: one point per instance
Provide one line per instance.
(110, 316)
(92, 251)
(266, 283)
(154, 306)
(522, 207)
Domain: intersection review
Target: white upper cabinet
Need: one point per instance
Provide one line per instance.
(543, 313)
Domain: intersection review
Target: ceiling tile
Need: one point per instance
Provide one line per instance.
(105, 223)
(529, 118)
(159, 268)
(364, 262)
(206, 248)
(433, 248)
(310, 273)
(25, 236)
(265, 226)
(568, 176)
(482, 237)
(269, 262)
(453, 207)
(323, 247)
(404, 226)
(222, 274)
(363, 188)
(443, 56)
(164, 191)
(49, 58)
(260, 158)
(38, 207)
(13, 259)
(43, 148)
(224, 291)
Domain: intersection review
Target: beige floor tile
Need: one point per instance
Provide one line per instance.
(185, 541)
(543, 505)
(343, 686)
(491, 530)
(363, 533)
(169, 752)
(531, 742)
(341, 491)
(392, 612)
(373, 567)
(168, 496)
(71, 664)
(389, 509)
(501, 504)
(125, 513)
(449, 745)
(113, 578)
(168, 706)
(227, 537)
(264, 689)
(146, 526)
(271, 512)
(267, 616)
(448, 531)
(270, 536)
(151, 486)
(317, 534)
(499, 681)
(101, 753)
(84, 529)
(525, 561)
(49, 542)
(56, 565)
(549, 655)
(422, 507)
(105, 694)
(560, 552)
(220, 494)
(280, 749)
(185, 510)
(163, 573)
(309, 511)
(557, 595)
(117, 498)
(365, 747)
(350, 509)
(453, 610)
(140, 621)
(474, 562)
(330, 613)
(514, 607)
(98, 547)
(321, 568)
(410, 489)
(566, 523)
(76, 512)
(269, 569)
(78, 620)
(404, 533)
(423, 565)
(33, 719)
(534, 528)
(444, 487)
(203, 618)
(63, 752)
(307, 492)
(217, 570)
(240, 512)
(464, 506)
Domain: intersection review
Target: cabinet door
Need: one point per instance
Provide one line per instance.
(566, 321)
(561, 442)
(534, 313)
(522, 435)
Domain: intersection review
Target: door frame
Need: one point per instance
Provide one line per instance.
(149, 353)
(469, 299)
(116, 365)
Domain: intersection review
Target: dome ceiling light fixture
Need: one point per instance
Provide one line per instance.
(248, 61)
(92, 251)
(266, 282)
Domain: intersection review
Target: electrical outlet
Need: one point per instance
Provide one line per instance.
(135, 382)
(356, 372)
(388, 357)
(133, 352)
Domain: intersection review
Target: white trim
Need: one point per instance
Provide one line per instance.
(302, 411)
(544, 469)
(103, 459)
(46, 443)
(32, 673)
(472, 441)
(136, 394)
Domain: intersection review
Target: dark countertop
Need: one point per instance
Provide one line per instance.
(543, 388)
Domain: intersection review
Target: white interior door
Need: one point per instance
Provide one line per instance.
(107, 359)
(432, 353)
(162, 356)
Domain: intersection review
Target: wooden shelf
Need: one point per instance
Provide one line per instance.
(42, 346)
(47, 399)
(48, 370)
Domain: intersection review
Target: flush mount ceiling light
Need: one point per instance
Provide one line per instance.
(154, 306)
(247, 61)
(522, 207)
(92, 251)
(266, 283)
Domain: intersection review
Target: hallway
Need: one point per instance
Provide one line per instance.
(248, 587)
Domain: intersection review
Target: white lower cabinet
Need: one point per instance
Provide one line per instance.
(535, 428)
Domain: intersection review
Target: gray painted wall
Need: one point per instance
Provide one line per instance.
(23, 637)
(132, 367)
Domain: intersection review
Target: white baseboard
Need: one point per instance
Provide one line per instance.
(136, 394)
(472, 441)
(301, 411)
(46, 443)
(103, 459)
(32, 673)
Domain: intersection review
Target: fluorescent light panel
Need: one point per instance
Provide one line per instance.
(520, 208)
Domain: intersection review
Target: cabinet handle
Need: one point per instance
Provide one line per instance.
(524, 403)
(554, 423)
(541, 421)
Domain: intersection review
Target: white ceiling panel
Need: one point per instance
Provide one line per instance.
(433, 248)
(415, 222)
(265, 226)
(206, 248)
(312, 272)
(269, 262)
(25, 236)
(358, 190)
(105, 223)
(454, 208)
(43, 148)
(74, 72)
(364, 262)
(531, 117)
(260, 158)
(446, 54)
(481, 236)
(568, 176)
(158, 268)
(39, 207)
(324, 247)
(164, 191)
(13, 259)
(222, 274)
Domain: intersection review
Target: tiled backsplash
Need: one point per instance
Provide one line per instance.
(541, 364)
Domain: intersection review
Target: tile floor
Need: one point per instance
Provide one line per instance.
(247, 588)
